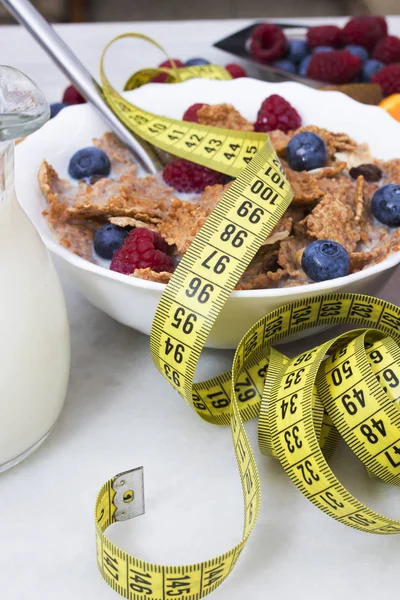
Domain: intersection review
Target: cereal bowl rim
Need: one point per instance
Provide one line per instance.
(196, 86)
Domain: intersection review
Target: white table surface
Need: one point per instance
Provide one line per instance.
(120, 413)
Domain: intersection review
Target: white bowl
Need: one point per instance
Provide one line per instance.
(133, 301)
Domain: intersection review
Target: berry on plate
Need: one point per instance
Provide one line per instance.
(363, 31)
(325, 259)
(382, 24)
(167, 64)
(371, 67)
(324, 35)
(190, 113)
(386, 205)
(389, 79)
(285, 64)
(88, 162)
(108, 239)
(268, 42)
(72, 96)
(277, 113)
(306, 151)
(303, 66)
(142, 249)
(235, 70)
(334, 67)
(297, 50)
(388, 50)
(196, 62)
(56, 107)
(359, 51)
(323, 49)
(186, 176)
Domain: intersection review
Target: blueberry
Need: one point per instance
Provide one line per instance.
(303, 66)
(87, 162)
(323, 49)
(108, 239)
(298, 49)
(56, 107)
(371, 67)
(359, 51)
(196, 62)
(386, 205)
(306, 151)
(325, 259)
(285, 64)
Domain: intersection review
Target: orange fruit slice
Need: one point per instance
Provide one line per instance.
(392, 105)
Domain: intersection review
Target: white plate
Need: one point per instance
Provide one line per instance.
(133, 301)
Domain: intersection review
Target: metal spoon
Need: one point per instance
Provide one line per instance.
(71, 66)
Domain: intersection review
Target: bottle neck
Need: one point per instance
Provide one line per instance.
(6, 170)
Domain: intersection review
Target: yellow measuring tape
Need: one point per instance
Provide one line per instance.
(174, 74)
(303, 404)
(220, 149)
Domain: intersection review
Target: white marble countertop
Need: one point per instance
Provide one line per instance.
(120, 413)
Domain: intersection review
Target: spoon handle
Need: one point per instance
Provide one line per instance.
(71, 66)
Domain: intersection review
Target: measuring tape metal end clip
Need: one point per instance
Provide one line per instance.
(129, 494)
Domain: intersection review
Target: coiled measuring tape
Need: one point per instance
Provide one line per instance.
(303, 404)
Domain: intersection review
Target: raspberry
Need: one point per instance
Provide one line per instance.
(389, 79)
(186, 176)
(335, 67)
(235, 70)
(141, 249)
(167, 64)
(363, 31)
(277, 113)
(382, 24)
(387, 50)
(190, 114)
(72, 96)
(324, 35)
(268, 43)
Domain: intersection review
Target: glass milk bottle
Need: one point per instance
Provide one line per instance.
(34, 334)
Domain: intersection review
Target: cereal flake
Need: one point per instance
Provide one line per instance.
(333, 220)
(225, 116)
